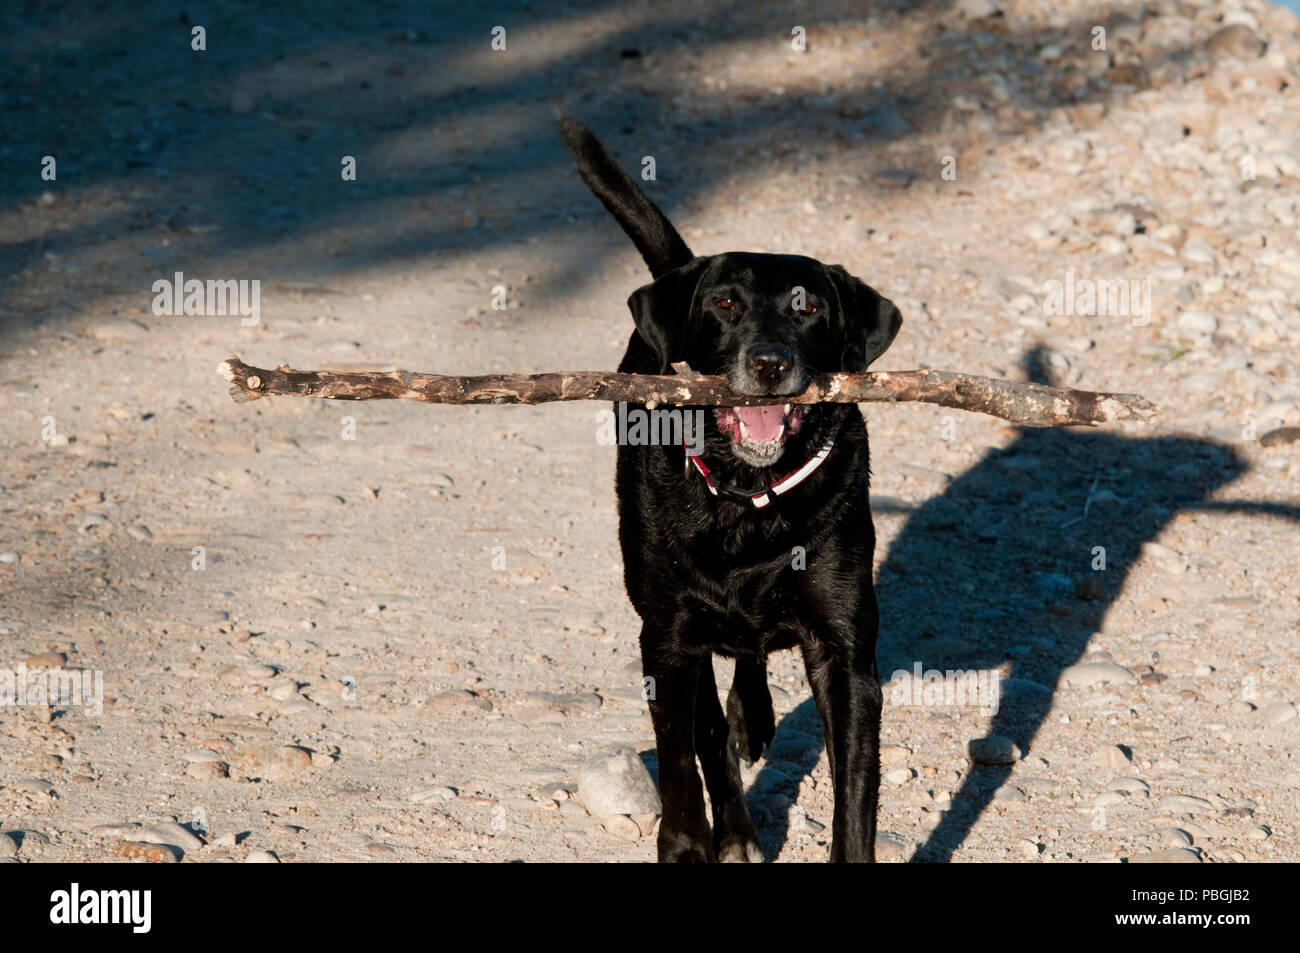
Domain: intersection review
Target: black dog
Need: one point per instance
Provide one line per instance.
(763, 544)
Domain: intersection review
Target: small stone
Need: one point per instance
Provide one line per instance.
(256, 670)
(1184, 804)
(891, 847)
(570, 704)
(622, 827)
(1129, 786)
(8, 845)
(893, 178)
(1179, 855)
(140, 532)
(1111, 756)
(1091, 674)
(208, 770)
(1277, 713)
(10, 558)
(458, 701)
(1029, 849)
(1197, 322)
(899, 775)
(170, 833)
(47, 660)
(617, 782)
(433, 794)
(894, 756)
(1259, 832)
(34, 786)
(1237, 41)
(199, 755)
(261, 857)
(277, 762)
(1280, 437)
(1198, 251)
(995, 749)
(149, 853)
(1175, 837)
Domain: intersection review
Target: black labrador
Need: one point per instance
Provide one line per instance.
(762, 542)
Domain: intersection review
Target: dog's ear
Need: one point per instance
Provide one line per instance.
(661, 308)
(869, 320)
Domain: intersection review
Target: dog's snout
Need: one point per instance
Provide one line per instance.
(770, 363)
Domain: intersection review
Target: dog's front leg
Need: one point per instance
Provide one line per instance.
(683, 829)
(842, 673)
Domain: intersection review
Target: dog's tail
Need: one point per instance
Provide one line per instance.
(651, 232)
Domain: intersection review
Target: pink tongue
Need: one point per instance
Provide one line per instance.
(763, 423)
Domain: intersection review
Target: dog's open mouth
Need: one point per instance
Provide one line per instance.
(758, 434)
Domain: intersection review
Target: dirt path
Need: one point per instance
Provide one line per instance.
(409, 630)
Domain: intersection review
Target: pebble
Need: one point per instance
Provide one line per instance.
(1277, 713)
(433, 794)
(10, 558)
(208, 770)
(899, 775)
(622, 827)
(617, 782)
(1280, 437)
(8, 845)
(149, 853)
(47, 660)
(1197, 322)
(261, 857)
(458, 701)
(1092, 674)
(1175, 837)
(1178, 855)
(1184, 804)
(573, 704)
(894, 756)
(140, 532)
(1111, 756)
(34, 786)
(171, 833)
(1129, 786)
(995, 749)
(1029, 849)
(277, 762)
(1198, 251)
(891, 847)
(1237, 41)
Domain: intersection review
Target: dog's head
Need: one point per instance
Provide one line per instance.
(768, 324)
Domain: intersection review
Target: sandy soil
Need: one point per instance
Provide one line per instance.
(403, 646)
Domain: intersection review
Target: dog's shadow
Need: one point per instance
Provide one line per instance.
(1000, 568)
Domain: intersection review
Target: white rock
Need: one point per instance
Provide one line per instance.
(616, 782)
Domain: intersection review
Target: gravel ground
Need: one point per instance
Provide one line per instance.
(383, 632)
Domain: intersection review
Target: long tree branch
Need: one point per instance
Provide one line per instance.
(1024, 404)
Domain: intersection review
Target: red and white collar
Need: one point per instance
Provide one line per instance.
(787, 482)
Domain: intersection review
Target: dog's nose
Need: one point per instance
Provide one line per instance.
(770, 363)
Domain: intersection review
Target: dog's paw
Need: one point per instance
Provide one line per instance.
(740, 850)
(679, 848)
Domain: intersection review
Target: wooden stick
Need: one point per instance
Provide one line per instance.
(1024, 404)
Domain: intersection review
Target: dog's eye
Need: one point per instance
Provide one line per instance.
(724, 303)
(808, 309)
